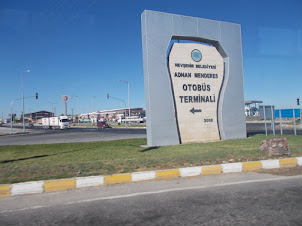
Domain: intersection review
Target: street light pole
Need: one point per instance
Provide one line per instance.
(12, 103)
(11, 119)
(128, 99)
(129, 103)
(23, 99)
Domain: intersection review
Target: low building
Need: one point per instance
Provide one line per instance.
(252, 110)
(38, 115)
(124, 111)
(112, 115)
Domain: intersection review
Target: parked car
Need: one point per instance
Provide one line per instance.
(102, 125)
(30, 125)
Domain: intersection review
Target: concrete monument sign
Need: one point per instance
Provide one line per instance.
(194, 89)
(196, 74)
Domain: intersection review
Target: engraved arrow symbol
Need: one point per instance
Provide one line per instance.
(193, 110)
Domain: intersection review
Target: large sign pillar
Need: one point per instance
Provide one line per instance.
(194, 88)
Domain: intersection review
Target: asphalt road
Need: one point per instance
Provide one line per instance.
(38, 135)
(41, 136)
(229, 199)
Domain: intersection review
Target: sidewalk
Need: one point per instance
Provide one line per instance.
(7, 130)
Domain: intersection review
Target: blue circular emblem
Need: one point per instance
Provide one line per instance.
(196, 55)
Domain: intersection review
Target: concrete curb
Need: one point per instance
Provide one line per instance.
(35, 187)
(292, 126)
(270, 164)
(232, 167)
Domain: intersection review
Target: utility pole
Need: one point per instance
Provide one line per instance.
(128, 99)
(12, 117)
(298, 103)
(23, 98)
(12, 103)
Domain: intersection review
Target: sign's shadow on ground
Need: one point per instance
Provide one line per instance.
(149, 149)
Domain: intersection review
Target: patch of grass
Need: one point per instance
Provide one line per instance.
(297, 122)
(53, 161)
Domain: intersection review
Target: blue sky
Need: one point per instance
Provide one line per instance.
(82, 47)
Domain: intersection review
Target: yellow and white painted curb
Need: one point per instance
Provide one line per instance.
(292, 126)
(35, 187)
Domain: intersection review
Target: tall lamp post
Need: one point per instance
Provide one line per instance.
(23, 98)
(128, 97)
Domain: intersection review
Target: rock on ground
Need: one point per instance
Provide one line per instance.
(275, 146)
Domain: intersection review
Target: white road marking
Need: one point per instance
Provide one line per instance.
(156, 192)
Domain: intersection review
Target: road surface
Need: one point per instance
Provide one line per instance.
(229, 199)
(38, 135)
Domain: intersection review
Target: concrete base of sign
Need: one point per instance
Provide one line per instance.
(158, 29)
